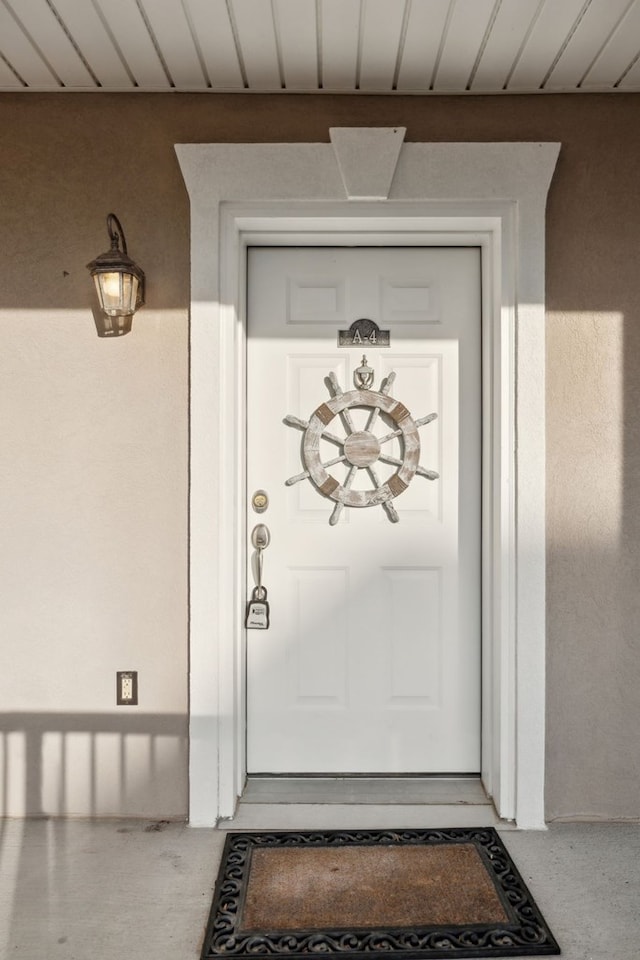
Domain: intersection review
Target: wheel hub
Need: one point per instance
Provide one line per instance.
(361, 449)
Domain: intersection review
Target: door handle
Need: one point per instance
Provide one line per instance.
(260, 536)
(260, 540)
(257, 617)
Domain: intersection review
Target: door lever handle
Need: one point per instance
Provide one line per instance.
(260, 540)
(260, 536)
(257, 608)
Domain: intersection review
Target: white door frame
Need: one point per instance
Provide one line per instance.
(368, 187)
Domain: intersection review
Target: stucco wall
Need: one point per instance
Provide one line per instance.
(94, 435)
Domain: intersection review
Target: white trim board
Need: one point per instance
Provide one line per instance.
(487, 194)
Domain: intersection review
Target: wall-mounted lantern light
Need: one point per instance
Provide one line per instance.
(119, 282)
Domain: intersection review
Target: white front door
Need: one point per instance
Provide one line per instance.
(371, 663)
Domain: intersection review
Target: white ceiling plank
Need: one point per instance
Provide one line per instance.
(467, 27)
(8, 79)
(618, 54)
(256, 34)
(297, 33)
(340, 21)
(381, 34)
(631, 80)
(600, 19)
(212, 27)
(41, 25)
(87, 29)
(513, 20)
(427, 19)
(173, 35)
(130, 33)
(547, 36)
(345, 46)
(22, 55)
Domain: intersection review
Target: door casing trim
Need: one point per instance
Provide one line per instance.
(292, 194)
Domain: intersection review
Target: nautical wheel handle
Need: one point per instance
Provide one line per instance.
(361, 449)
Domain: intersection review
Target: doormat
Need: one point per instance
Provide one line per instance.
(404, 894)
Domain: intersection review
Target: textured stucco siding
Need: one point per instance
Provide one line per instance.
(94, 434)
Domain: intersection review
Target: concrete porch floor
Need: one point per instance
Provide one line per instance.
(80, 890)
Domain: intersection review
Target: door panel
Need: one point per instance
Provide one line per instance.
(372, 660)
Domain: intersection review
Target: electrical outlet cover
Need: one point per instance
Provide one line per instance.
(127, 688)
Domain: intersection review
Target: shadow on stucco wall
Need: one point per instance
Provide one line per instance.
(593, 443)
(68, 160)
(92, 765)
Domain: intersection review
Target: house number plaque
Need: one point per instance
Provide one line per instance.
(364, 333)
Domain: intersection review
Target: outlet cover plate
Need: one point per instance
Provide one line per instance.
(127, 688)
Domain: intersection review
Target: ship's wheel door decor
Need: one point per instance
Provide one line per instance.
(362, 449)
(363, 461)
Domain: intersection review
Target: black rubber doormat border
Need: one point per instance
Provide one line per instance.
(525, 932)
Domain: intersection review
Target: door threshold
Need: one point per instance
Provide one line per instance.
(369, 803)
(366, 790)
(363, 803)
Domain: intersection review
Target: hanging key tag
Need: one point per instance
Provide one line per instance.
(258, 610)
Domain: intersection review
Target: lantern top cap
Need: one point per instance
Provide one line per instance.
(116, 259)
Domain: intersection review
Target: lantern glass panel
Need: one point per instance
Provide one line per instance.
(117, 293)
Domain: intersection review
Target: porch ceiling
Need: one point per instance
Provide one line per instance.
(338, 46)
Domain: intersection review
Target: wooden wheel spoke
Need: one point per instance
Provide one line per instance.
(296, 422)
(304, 425)
(333, 438)
(298, 477)
(392, 513)
(421, 471)
(331, 463)
(388, 383)
(373, 416)
(305, 476)
(348, 421)
(371, 422)
(346, 413)
(339, 507)
(419, 423)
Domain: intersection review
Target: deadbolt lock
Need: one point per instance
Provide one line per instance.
(260, 501)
